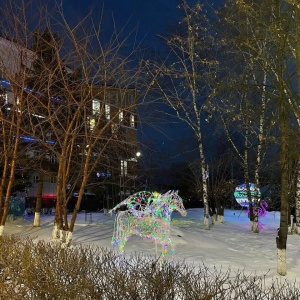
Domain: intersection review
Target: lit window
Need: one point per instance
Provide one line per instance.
(121, 115)
(107, 111)
(35, 179)
(92, 123)
(124, 167)
(6, 99)
(3, 96)
(132, 121)
(86, 149)
(96, 107)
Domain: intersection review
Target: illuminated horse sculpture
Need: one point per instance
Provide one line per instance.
(147, 215)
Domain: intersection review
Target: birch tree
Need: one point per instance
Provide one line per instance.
(276, 63)
(246, 45)
(296, 53)
(183, 80)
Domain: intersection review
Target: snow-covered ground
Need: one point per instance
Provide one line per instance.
(231, 244)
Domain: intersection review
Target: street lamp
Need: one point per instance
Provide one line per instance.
(124, 177)
(138, 154)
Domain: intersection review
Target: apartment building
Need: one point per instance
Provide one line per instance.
(110, 181)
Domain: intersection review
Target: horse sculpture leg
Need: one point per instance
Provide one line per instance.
(119, 242)
(122, 233)
(172, 245)
(164, 251)
(165, 243)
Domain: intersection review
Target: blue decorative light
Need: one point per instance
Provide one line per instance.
(31, 139)
(30, 90)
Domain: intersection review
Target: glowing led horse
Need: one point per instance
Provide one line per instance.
(147, 215)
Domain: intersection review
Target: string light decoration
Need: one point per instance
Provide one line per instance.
(261, 211)
(148, 215)
(240, 194)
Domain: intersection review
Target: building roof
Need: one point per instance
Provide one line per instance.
(13, 56)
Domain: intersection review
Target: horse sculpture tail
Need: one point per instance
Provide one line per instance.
(115, 238)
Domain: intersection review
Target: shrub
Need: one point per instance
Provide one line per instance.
(39, 270)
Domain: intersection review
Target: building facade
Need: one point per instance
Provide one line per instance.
(114, 177)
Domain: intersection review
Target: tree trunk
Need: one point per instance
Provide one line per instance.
(297, 200)
(204, 187)
(281, 239)
(258, 156)
(11, 173)
(212, 210)
(220, 211)
(3, 180)
(1, 230)
(246, 167)
(38, 205)
(284, 215)
(289, 220)
(55, 231)
(68, 238)
(58, 222)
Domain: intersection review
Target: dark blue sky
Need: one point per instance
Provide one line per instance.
(147, 18)
(150, 17)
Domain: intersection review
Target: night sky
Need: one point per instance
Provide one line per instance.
(149, 19)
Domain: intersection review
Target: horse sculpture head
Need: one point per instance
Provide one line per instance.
(175, 202)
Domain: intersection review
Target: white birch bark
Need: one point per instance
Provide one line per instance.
(246, 168)
(1, 229)
(295, 108)
(214, 219)
(254, 227)
(281, 262)
(55, 232)
(68, 241)
(259, 154)
(62, 235)
(204, 189)
(37, 219)
(297, 200)
(296, 226)
(297, 229)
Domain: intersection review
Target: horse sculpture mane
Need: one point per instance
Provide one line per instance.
(146, 214)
